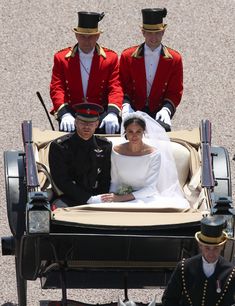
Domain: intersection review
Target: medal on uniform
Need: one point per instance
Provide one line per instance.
(218, 289)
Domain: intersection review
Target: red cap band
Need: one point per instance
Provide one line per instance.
(88, 111)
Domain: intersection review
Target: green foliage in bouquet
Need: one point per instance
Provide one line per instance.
(124, 189)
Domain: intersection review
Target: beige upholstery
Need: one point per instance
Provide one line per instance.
(185, 153)
(182, 160)
(182, 151)
(88, 214)
(190, 136)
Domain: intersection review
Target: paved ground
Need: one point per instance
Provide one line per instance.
(32, 30)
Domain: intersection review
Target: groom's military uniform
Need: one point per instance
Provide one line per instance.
(80, 168)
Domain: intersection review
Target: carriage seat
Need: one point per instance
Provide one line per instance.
(184, 154)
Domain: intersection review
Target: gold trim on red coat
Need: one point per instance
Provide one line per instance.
(138, 51)
(166, 53)
(72, 51)
(61, 106)
(100, 51)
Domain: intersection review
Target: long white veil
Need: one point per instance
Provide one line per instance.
(155, 135)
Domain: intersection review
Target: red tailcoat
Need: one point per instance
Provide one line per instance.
(103, 85)
(167, 86)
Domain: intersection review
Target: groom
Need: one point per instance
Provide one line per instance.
(80, 162)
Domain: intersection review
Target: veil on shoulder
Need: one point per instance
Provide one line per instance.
(168, 184)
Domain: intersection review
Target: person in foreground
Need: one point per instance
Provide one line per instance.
(151, 74)
(143, 168)
(80, 162)
(206, 279)
(84, 72)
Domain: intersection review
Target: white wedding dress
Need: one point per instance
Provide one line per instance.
(138, 173)
(151, 178)
(141, 174)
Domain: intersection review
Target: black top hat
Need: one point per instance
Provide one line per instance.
(88, 23)
(153, 19)
(212, 231)
(88, 111)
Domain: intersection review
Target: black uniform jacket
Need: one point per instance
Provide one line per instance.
(80, 168)
(189, 286)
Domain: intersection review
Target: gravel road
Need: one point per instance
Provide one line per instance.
(32, 31)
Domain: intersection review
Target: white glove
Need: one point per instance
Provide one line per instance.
(94, 199)
(126, 109)
(67, 123)
(111, 123)
(164, 115)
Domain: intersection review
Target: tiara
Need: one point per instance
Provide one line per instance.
(134, 115)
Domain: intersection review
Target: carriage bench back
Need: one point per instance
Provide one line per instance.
(184, 146)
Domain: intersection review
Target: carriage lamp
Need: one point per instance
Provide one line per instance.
(38, 213)
(229, 229)
(224, 206)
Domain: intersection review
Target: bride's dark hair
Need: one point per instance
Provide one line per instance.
(135, 119)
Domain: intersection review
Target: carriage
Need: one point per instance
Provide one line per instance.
(101, 246)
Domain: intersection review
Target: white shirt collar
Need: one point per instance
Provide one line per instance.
(209, 263)
(208, 268)
(86, 55)
(148, 51)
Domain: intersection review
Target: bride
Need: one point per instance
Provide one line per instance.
(143, 169)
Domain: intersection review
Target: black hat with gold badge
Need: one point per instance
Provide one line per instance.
(88, 23)
(212, 231)
(88, 112)
(153, 19)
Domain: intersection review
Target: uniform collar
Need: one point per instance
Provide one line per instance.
(72, 51)
(148, 51)
(165, 53)
(86, 55)
(98, 49)
(208, 263)
(82, 141)
(139, 52)
(208, 268)
(91, 143)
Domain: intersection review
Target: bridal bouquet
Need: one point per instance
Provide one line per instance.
(124, 189)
